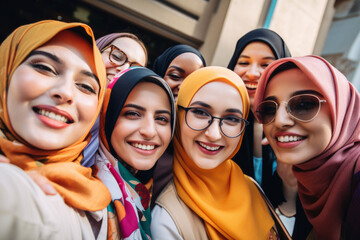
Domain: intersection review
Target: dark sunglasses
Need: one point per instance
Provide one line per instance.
(303, 107)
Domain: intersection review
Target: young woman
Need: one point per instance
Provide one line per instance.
(119, 51)
(311, 118)
(176, 63)
(52, 83)
(253, 53)
(136, 125)
(210, 197)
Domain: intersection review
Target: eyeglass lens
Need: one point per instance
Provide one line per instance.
(199, 119)
(117, 57)
(302, 107)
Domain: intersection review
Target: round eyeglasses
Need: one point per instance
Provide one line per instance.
(118, 57)
(199, 119)
(303, 107)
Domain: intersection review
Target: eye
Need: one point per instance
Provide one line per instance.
(243, 63)
(174, 77)
(231, 120)
(118, 56)
(163, 120)
(132, 115)
(86, 88)
(43, 68)
(199, 113)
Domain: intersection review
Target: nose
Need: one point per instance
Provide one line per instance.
(213, 132)
(254, 72)
(63, 91)
(148, 128)
(282, 117)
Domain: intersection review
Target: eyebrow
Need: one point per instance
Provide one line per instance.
(298, 93)
(229, 110)
(90, 74)
(59, 61)
(131, 105)
(177, 68)
(46, 54)
(265, 58)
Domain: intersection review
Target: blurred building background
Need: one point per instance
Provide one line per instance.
(329, 28)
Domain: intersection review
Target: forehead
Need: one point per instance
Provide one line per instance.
(258, 48)
(67, 41)
(289, 81)
(219, 95)
(149, 93)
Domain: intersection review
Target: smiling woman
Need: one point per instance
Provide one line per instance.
(209, 196)
(134, 134)
(311, 117)
(53, 80)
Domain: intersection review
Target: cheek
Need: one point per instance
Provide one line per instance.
(165, 134)
(87, 107)
(25, 84)
(239, 70)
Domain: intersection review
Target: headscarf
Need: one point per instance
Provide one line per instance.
(61, 167)
(101, 43)
(130, 198)
(267, 36)
(163, 61)
(325, 181)
(227, 201)
(106, 40)
(244, 158)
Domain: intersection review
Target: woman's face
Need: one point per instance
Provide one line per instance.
(294, 141)
(252, 61)
(134, 52)
(209, 148)
(143, 130)
(53, 95)
(180, 68)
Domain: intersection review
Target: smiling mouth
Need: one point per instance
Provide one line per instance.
(209, 148)
(52, 115)
(285, 139)
(251, 86)
(143, 146)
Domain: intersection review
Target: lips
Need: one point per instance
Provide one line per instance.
(208, 148)
(146, 147)
(289, 138)
(251, 85)
(54, 114)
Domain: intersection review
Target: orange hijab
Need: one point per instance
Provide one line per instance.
(62, 167)
(228, 201)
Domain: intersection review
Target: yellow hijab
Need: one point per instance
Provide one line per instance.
(228, 201)
(62, 167)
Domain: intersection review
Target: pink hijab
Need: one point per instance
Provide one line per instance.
(325, 181)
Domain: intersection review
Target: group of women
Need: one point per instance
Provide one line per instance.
(94, 145)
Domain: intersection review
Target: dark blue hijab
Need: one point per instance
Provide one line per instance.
(163, 61)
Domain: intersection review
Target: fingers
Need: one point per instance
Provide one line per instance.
(42, 182)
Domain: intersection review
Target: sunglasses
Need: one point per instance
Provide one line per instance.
(303, 107)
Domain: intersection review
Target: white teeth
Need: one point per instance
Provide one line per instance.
(53, 115)
(251, 85)
(208, 147)
(143, 146)
(289, 138)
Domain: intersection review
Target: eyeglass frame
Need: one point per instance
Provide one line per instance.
(289, 111)
(246, 123)
(112, 46)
